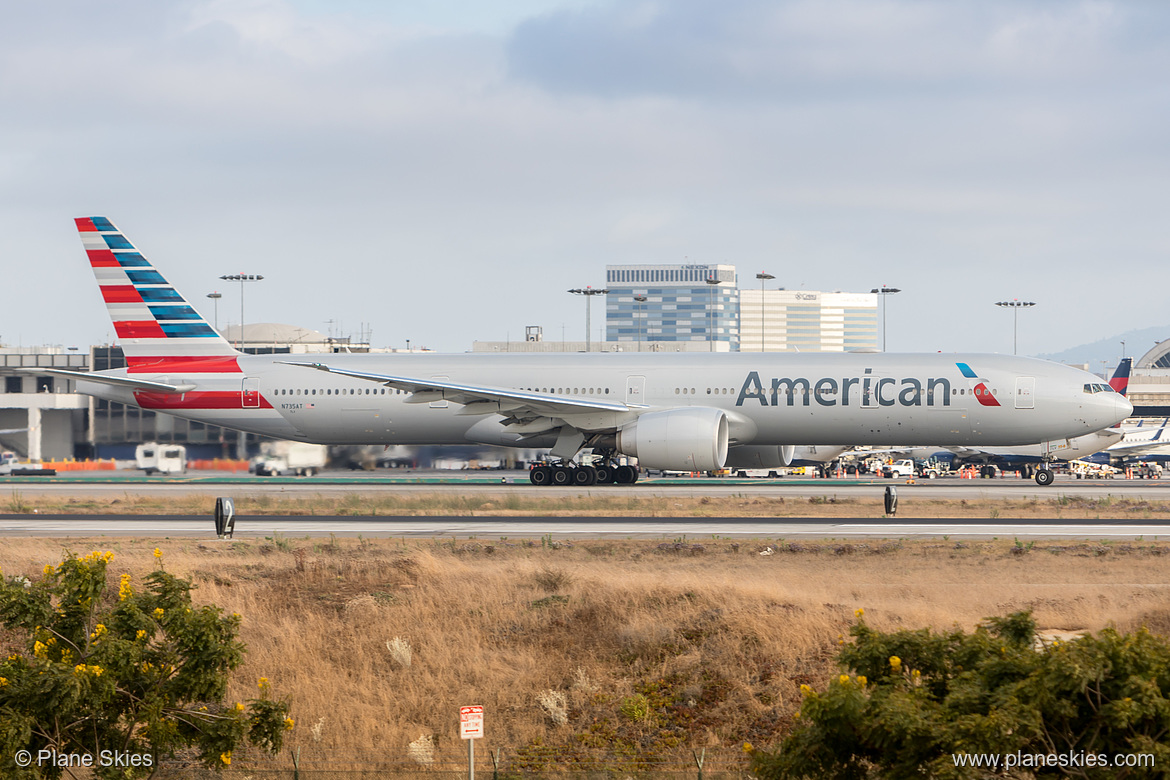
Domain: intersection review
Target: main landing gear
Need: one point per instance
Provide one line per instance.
(1045, 476)
(581, 476)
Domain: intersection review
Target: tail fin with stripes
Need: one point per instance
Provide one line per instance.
(158, 330)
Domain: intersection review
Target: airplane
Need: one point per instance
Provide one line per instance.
(1026, 459)
(1138, 443)
(672, 411)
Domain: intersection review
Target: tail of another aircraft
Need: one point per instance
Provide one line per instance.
(158, 330)
(1120, 379)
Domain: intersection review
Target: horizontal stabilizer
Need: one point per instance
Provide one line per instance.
(116, 381)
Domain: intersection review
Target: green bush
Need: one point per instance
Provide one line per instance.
(909, 701)
(140, 674)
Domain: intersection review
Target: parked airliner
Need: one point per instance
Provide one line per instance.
(672, 411)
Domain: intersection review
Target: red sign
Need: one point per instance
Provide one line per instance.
(471, 722)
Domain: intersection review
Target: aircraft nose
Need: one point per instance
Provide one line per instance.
(1120, 408)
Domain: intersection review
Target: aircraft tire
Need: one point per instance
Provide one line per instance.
(625, 475)
(604, 475)
(1044, 477)
(584, 475)
(540, 476)
(561, 475)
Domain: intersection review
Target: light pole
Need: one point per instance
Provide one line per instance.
(1015, 304)
(714, 282)
(241, 278)
(763, 276)
(588, 292)
(640, 299)
(884, 291)
(215, 296)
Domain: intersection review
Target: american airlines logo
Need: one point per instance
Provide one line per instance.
(867, 390)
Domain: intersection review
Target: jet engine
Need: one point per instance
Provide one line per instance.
(756, 456)
(691, 439)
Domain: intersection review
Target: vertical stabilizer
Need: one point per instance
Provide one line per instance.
(1120, 379)
(158, 330)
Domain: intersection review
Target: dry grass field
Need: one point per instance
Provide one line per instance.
(581, 649)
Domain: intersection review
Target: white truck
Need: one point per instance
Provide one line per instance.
(155, 458)
(290, 458)
(899, 468)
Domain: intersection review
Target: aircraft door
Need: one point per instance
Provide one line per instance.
(440, 404)
(250, 393)
(1025, 392)
(636, 390)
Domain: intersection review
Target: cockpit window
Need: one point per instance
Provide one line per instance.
(1093, 387)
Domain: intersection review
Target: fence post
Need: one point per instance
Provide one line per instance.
(700, 757)
(297, 764)
(495, 754)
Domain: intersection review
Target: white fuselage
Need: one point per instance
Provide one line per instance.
(769, 399)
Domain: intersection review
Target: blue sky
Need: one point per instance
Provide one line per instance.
(444, 172)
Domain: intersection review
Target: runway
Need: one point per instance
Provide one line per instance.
(496, 528)
(506, 483)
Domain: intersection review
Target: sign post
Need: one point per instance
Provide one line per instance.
(471, 729)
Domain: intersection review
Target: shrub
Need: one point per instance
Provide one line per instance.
(145, 673)
(911, 700)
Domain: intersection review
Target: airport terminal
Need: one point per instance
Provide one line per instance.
(653, 308)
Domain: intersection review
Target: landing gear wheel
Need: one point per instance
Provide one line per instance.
(561, 475)
(540, 476)
(604, 475)
(584, 475)
(987, 472)
(625, 475)
(1044, 476)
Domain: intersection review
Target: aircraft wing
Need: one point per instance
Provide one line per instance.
(525, 409)
(116, 381)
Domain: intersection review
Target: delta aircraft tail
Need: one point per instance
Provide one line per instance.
(158, 330)
(1120, 379)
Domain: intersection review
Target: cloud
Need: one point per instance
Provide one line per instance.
(824, 49)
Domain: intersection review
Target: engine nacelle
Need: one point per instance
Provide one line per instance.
(757, 456)
(692, 439)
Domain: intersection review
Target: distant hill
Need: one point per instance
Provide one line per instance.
(1137, 343)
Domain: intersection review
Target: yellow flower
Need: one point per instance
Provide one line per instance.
(158, 553)
(747, 748)
(40, 649)
(226, 758)
(124, 589)
(861, 679)
(262, 683)
(48, 569)
(806, 689)
(98, 631)
(843, 679)
(289, 723)
(895, 663)
(859, 612)
(158, 613)
(3, 681)
(109, 556)
(141, 634)
(915, 673)
(239, 707)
